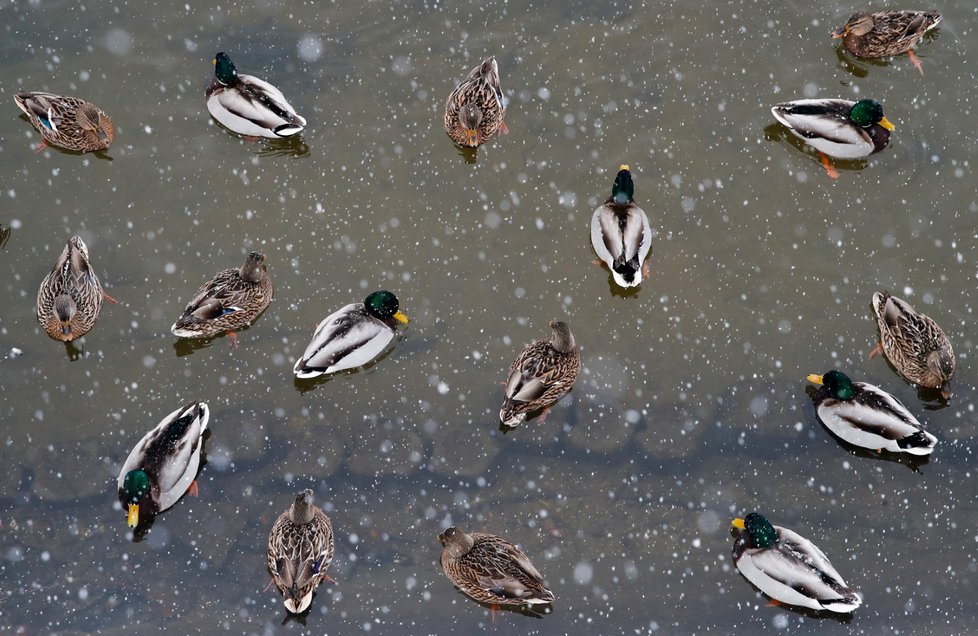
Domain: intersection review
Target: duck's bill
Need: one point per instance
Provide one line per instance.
(738, 523)
(472, 137)
(885, 123)
(133, 519)
(401, 317)
(839, 33)
(816, 379)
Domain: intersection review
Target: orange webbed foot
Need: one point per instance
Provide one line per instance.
(916, 61)
(233, 338)
(878, 349)
(193, 491)
(827, 164)
(109, 298)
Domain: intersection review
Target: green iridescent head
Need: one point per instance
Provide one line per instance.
(383, 304)
(867, 112)
(839, 385)
(135, 486)
(224, 69)
(760, 531)
(623, 189)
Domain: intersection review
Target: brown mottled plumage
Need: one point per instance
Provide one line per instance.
(543, 373)
(300, 549)
(885, 33)
(67, 122)
(474, 111)
(913, 343)
(70, 297)
(491, 570)
(229, 301)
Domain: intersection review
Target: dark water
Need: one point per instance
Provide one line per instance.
(691, 408)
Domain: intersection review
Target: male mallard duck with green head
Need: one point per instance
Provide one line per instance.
(67, 122)
(228, 301)
(867, 416)
(70, 297)
(491, 570)
(300, 549)
(886, 33)
(249, 106)
(837, 127)
(789, 568)
(474, 111)
(543, 373)
(620, 233)
(352, 336)
(913, 343)
(163, 465)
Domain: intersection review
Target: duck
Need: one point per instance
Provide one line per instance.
(163, 465)
(543, 373)
(227, 302)
(913, 343)
(837, 128)
(491, 570)
(67, 122)
(867, 416)
(620, 233)
(70, 297)
(352, 336)
(249, 106)
(300, 549)
(474, 111)
(789, 568)
(886, 33)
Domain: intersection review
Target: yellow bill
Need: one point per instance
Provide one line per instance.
(133, 515)
(885, 123)
(401, 317)
(624, 166)
(817, 379)
(738, 523)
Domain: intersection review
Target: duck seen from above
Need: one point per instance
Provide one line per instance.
(249, 106)
(300, 549)
(837, 127)
(543, 373)
(230, 300)
(867, 416)
(913, 343)
(352, 336)
(620, 233)
(67, 122)
(475, 109)
(69, 299)
(163, 465)
(886, 33)
(789, 568)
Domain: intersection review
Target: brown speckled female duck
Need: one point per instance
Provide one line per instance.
(474, 111)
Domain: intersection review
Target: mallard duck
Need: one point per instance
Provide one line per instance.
(491, 570)
(867, 416)
(543, 373)
(300, 549)
(70, 297)
(351, 337)
(789, 568)
(67, 122)
(837, 127)
(229, 301)
(249, 106)
(886, 33)
(474, 111)
(164, 463)
(620, 233)
(913, 343)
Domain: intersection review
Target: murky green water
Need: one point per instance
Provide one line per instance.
(691, 408)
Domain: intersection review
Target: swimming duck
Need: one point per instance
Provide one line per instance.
(543, 373)
(867, 416)
(913, 343)
(837, 127)
(228, 301)
(620, 233)
(164, 463)
(67, 122)
(300, 549)
(886, 33)
(70, 297)
(491, 570)
(352, 336)
(249, 106)
(474, 110)
(789, 568)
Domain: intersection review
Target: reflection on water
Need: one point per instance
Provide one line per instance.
(690, 408)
